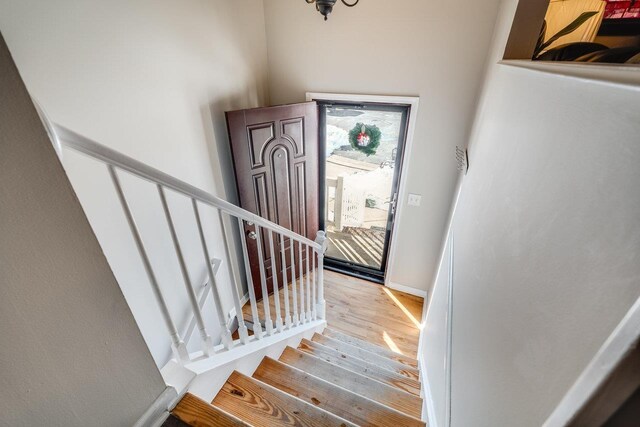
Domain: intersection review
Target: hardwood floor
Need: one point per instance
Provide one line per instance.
(367, 311)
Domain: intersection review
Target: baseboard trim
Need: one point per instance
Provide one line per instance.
(159, 409)
(407, 289)
(428, 408)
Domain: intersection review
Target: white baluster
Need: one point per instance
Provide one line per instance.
(268, 322)
(207, 341)
(321, 239)
(308, 277)
(177, 344)
(257, 328)
(285, 284)
(296, 317)
(227, 341)
(242, 327)
(314, 271)
(301, 280)
(274, 280)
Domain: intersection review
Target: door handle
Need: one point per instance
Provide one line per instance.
(252, 235)
(394, 202)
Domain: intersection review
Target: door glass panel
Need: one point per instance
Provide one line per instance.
(360, 164)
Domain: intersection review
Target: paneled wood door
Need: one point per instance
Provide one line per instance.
(275, 156)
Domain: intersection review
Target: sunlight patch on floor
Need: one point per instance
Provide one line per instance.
(402, 307)
(392, 345)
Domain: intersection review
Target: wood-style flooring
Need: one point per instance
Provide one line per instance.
(368, 311)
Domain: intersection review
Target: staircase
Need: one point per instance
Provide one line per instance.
(331, 380)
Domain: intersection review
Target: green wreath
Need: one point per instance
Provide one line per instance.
(365, 138)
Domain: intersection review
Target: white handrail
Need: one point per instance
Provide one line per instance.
(251, 226)
(70, 139)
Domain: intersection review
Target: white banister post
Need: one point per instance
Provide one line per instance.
(257, 328)
(285, 283)
(177, 344)
(308, 280)
(301, 282)
(294, 290)
(314, 288)
(321, 306)
(226, 333)
(274, 281)
(242, 327)
(268, 322)
(207, 341)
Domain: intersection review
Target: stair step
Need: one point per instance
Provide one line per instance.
(331, 398)
(262, 405)
(391, 365)
(359, 384)
(381, 351)
(360, 366)
(193, 411)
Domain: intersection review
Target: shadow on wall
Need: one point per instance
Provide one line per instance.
(215, 127)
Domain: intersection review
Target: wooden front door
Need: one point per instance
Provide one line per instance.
(275, 155)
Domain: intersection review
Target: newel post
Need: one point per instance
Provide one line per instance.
(321, 240)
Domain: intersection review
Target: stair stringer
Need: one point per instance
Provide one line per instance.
(205, 378)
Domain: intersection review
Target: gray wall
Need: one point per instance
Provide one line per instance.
(71, 353)
(423, 48)
(547, 239)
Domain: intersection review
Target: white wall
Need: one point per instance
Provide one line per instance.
(71, 353)
(435, 340)
(151, 79)
(547, 239)
(410, 47)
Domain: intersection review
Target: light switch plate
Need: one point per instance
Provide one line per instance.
(414, 199)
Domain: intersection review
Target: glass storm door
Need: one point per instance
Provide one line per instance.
(361, 148)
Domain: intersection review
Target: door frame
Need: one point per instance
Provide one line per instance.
(413, 102)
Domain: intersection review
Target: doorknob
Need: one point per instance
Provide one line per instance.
(394, 202)
(252, 235)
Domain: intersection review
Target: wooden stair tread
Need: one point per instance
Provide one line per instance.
(194, 411)
(262, 405)
(363, 354)
(387, 395)
(360, 366)
(330, 397)
(381, 351)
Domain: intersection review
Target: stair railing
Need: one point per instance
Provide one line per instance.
(305, 276)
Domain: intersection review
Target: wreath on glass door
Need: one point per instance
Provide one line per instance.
(365, 138)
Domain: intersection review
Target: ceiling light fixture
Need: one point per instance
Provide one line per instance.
(326, 6)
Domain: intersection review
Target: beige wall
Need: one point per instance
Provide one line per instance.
(71, 353)
(547, 239)
(412, 47)
(151, 79)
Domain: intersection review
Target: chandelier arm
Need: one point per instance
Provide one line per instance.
(350, 5)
